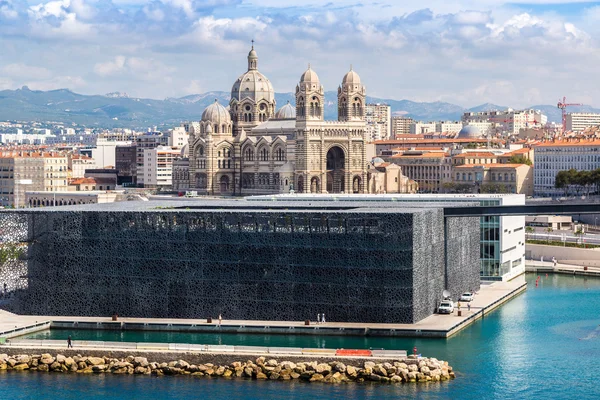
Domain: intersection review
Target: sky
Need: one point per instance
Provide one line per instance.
(465, 52)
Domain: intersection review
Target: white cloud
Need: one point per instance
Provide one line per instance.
(134, 68)
(467, 51)
(18, 70)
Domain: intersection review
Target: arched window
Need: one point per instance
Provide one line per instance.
(264, 154)
(216, 128)
(506, 176)
(279, 154)
(249, 154)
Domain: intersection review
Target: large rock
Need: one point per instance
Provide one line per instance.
(369, 364)
(271, 363)
(260, 375)
(323, 368)
(379, 370)
(47, 359)
(23, 359)
(21, 367)
(351, 371)
(60, 358)
(140, 361)
(340, 367)
(95, 361)
(316, 378)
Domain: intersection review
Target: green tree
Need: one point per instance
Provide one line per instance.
(519, 160)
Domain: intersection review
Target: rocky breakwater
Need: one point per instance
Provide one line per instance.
(410, 369)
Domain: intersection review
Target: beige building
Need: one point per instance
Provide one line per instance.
(79, 163)
(252, 148)
(23, 171)
(385, 177)
(429, 169)
(401, 126)
(495, 178)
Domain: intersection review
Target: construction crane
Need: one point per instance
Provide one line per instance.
(563, 106)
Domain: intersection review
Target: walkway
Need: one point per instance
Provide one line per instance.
(548, 266)
(490, 295)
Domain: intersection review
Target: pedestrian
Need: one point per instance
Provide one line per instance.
(542, 258)
(220, 319)
(69, 344)
(459, 305)
(469, 307)
(323, 318)
(318, 318)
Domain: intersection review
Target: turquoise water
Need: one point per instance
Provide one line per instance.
(542, 344)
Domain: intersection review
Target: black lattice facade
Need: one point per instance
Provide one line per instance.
(353, 263)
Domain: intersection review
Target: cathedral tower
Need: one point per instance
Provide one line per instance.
(310, 97)
(352, 97)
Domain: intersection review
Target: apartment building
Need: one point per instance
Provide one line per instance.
(401, 126)
(145, 142)
(24, 171)
(561, 155)
(421, 128)
(379, 121)
(158, 166)
(577, 122)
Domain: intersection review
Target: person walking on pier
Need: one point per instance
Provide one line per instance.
(323, 318)
(220, 319)
(69, 344)
(318, 318)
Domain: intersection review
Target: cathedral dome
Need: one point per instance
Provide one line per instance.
(216, 114)
(286, 112)
(351, 78)
(469, 132)
(252, 84)
(309, 76)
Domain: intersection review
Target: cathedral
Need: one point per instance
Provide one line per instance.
(250, 147)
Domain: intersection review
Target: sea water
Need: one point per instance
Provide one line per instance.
(542, 344)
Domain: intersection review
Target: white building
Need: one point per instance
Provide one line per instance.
(25, 138)
(577, 122)
(552, 157)
(158, 166)
(420, 128)
(502, 243)
(509, 121)
(149, 140)
(379, 121)
(448, 126)
(178, 137)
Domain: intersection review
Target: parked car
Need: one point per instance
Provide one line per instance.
(467, 296)
(446, 307)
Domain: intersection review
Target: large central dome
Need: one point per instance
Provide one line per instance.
(252, 84)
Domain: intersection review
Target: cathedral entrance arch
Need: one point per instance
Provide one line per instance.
(224, 182)
(300, 188)
(336, 161)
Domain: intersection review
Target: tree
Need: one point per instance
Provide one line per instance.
(529, 229)
(519, 160)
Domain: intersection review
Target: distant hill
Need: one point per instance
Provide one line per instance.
(118, 110)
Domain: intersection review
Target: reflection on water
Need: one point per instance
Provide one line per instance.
(542, 344)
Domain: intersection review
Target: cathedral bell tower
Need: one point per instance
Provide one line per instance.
(310, 97)
(352, 97)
